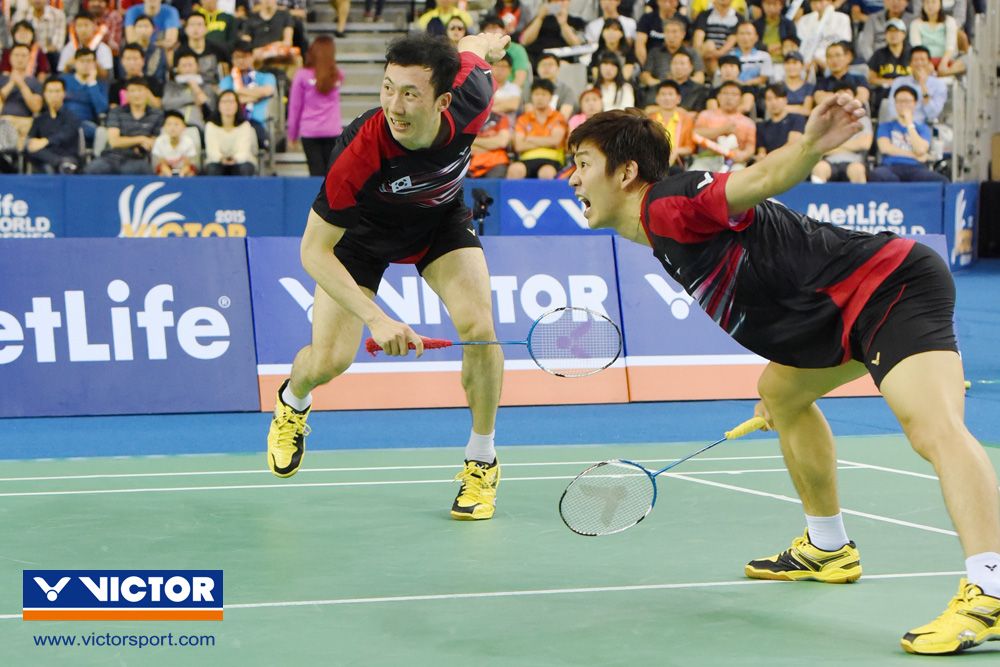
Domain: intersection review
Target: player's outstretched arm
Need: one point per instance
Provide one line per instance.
(316, 252)
(830, 124)
(488, 46)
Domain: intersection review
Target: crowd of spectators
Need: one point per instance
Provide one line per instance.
(146, 86)
(729, 80)
(182, 87)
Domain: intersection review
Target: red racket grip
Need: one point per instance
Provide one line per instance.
(373, 348)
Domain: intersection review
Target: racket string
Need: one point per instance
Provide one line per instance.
(607, 498)
(574, 342)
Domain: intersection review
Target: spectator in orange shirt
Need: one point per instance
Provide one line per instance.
(539, 136)
(678, 123)
(733, 131)
(489, 150)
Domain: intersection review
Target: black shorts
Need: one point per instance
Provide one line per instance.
(455, 231)
(913, 311)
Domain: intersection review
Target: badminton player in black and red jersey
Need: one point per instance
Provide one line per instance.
(824, 305)
(393, 194)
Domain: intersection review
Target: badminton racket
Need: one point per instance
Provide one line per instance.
(567, 342)
(615, 495)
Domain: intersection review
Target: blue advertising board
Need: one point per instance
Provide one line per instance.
(32, 207)
(961, 210)
(298, 199)
(903, 208)
(102, 326)
(205, 206)
(527, 280)
(532, 207)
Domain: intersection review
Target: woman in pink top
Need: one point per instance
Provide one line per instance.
(314, 104)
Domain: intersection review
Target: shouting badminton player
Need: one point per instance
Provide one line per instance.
(824, 305)
(393, 193)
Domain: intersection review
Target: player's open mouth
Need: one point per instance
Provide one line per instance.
(586, 205)
(399, 125)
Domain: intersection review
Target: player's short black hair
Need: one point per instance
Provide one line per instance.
(623, 136)
(431, 51)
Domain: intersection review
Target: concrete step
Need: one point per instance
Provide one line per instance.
(290, 164)
(363, 43)
(353, 27)
(363, 74)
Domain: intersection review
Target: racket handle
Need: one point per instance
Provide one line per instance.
(374, 348)
(749, 426)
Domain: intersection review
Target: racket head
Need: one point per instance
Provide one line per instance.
(574, 342)
(607, 498)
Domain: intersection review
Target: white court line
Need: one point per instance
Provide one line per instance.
(897, 471)
(544, 591)
(261, 471)
(892, 470)
(276, 485)
(789, 499)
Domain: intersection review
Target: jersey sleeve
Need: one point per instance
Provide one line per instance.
(472, 94)
(692, 208)
(353, 161)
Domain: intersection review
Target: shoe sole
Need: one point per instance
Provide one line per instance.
(283, 475)
(463, 516)
(988, 636)
(832, 578)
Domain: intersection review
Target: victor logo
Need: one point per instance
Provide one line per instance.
(51, 592)
(145, 217)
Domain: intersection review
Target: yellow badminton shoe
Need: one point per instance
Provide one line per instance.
(477, 498)
(805, 562)
(286, 439)
(970, 619)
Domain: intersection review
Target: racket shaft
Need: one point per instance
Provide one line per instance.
(749, 426)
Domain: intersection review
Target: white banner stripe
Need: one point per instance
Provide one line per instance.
(429, 366)
(696, 360)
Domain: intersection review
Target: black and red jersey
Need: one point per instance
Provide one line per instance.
(785, 286)
(390, 198)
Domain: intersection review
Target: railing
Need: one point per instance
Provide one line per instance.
(976, 101)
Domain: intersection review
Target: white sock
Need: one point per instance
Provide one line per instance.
(817, 180)
(827, 532)
(293, 401)
(480, 448)
(983, 570)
